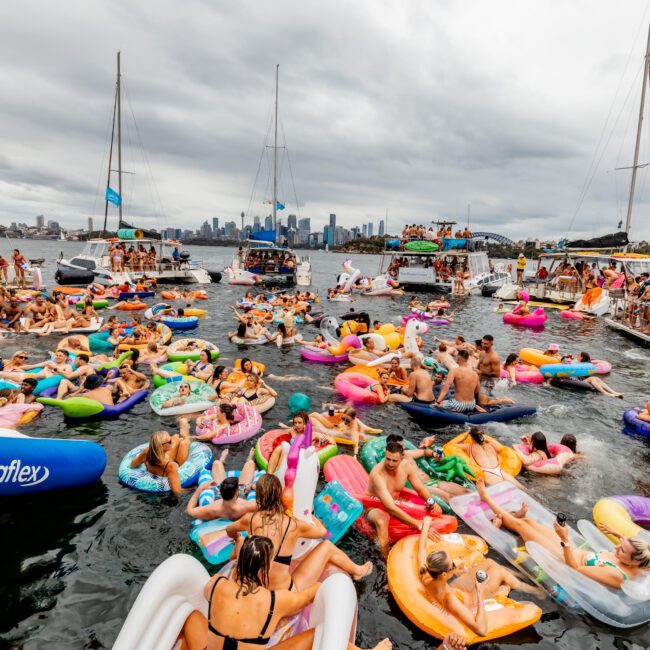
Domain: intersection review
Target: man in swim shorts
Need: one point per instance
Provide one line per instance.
(387, 479)
(466, 387)
(489, 364)
(230, 505)
(420, 386)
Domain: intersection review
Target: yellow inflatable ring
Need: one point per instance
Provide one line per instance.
(509, 460)
(536, 357)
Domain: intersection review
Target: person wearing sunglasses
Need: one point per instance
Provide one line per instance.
(465, 597)
(165, 453)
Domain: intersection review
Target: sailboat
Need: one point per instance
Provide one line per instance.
(95, 257)
(264, 259)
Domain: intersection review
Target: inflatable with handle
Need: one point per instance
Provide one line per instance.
(509, 460)
(201, 398)
(83, 407)
(504, 615)
(172, 592)
(560, 456)
(438, 416)
(247, 423)
(536, 319)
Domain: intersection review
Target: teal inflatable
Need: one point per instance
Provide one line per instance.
(299, 402)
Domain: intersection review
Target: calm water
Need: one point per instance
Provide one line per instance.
(73, 562)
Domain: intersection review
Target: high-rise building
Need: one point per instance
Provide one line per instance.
(90, 224)
(256, 224)
(328, 235)
(304, 228)
(206, 231)
(354, 232)
(215, 223)
(51, 225)
(228, 228)
(40, 221)
(332, 220)
(370, 225)
(364, 230)
(268, 223)
(381, 228)
(292, 221)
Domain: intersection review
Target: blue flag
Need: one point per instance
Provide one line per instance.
(279, 206)
(113, 196)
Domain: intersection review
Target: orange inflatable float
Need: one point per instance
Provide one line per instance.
(504, 615)
(374, 373)
(509, 460)
(125, 305)
(237, 376)
(169, 295)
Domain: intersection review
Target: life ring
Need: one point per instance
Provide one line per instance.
(290, 264)
(445, 273)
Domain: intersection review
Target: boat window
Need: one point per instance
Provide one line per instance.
(84, 263)
(478, 264)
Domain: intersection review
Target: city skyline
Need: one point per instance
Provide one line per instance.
(489, 117)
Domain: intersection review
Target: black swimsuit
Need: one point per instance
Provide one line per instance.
(280, 559)
(231, 643)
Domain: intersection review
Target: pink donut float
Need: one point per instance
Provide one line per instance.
(524, 376)
(560, 456)
(248, 423)
(356, 387)
(536, 319)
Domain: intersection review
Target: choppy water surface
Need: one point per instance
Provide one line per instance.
(73, 562)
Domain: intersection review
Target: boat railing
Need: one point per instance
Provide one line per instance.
(631, 313)
(445, 244)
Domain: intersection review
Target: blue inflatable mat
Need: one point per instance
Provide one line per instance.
(31, 465)
(439, 417)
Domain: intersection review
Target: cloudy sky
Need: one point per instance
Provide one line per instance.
(521, 109)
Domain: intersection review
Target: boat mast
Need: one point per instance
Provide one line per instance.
(646, 63)
(275, 153)
(119, 137)
(110, 162)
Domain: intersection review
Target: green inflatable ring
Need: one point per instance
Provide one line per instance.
(97, 304)
(174, 366)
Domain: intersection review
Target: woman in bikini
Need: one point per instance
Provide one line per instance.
(485, 453)
(220, 383)
(165, 454)
(202, 368)
(271, 521)
(243, 610)
(255, 392)
(464, 598)
(612, 568)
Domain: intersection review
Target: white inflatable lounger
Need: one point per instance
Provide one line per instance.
(168, 597)
(95, 324)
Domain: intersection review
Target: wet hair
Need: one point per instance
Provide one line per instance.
(241, 330)
(538, 443)
(282, 328)
(436, 563)
(510, 359)
(584, 357)
(394, 437)
(155, 451)
(85, 357)
(268, 497)
(253, 564)
(463, 354)
(30, 381)
(229, 487)
(350, 412)
(394, 447)
(477, 433)
(640, 552)
(488, 337)
(442, 347)
(569, 440)
(460, 338)
(228, 410)
(65, 353)
(441, 312)
(243, 362)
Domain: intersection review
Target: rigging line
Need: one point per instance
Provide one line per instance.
(595, 164)
(264, 151)
(153, 186)
(586, 185)
(639, 195)
(94, 210)
(293, 183)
